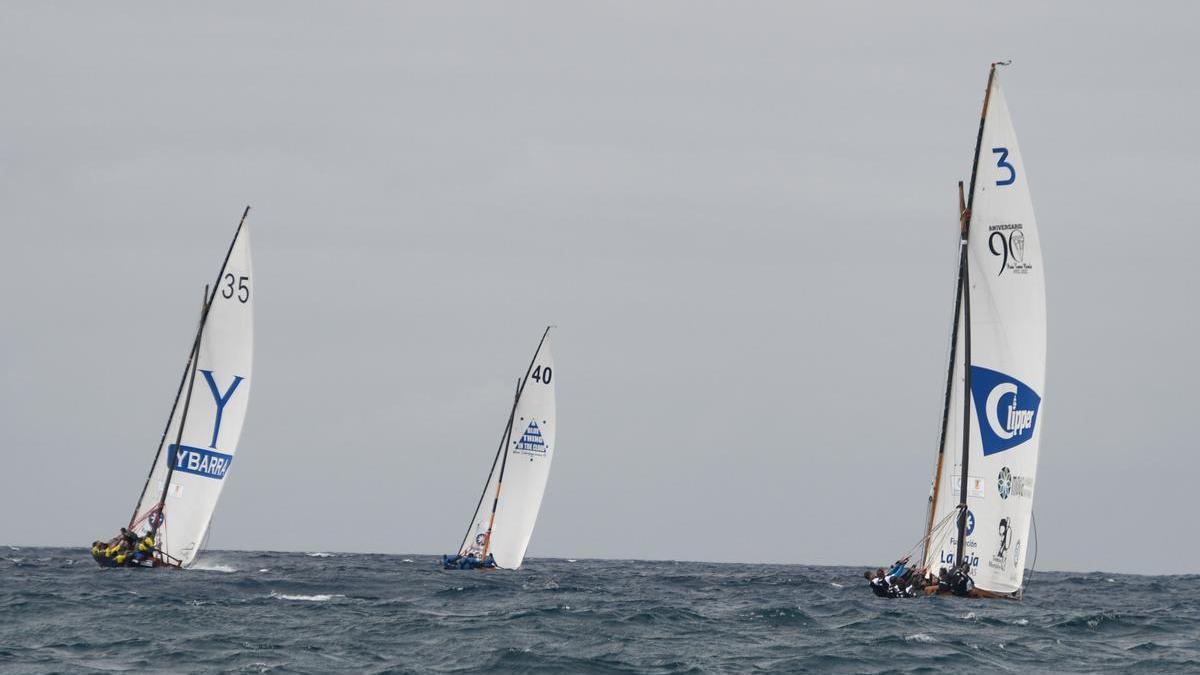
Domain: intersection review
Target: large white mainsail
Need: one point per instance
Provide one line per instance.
(508, 509)
(202, 435)
(1001, 361)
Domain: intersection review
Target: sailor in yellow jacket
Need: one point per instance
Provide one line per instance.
(145, 548)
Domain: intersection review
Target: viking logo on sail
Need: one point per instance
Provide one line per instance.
(531, 440)
(1006, 407)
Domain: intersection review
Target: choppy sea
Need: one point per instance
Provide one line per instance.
(263, 612)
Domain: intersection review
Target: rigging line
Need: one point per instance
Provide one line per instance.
(1033, 566)
(939, 526)
(944, 534)
(166, 429)
(187, 402)
(943, 431)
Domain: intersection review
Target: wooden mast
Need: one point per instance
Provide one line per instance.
(187, 401)
(487, 538)
(462, 548)
(937, 475)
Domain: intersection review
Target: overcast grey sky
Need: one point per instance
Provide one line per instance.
(741, 216)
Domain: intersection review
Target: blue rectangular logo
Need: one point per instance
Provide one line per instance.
(1006, 407)
(201, 462)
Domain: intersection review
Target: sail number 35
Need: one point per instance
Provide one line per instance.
(542, 375)
(1002, 163)
(242, 291)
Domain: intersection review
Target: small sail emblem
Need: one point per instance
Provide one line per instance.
(531, 440)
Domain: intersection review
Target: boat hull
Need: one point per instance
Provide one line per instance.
(156, 561)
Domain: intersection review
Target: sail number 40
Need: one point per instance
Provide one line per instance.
(242, 291)
(1002, 163)
(542, 375)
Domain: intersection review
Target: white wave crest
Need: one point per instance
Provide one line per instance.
(919, 637)
(320, 597)
(213, 567)
(319, 554)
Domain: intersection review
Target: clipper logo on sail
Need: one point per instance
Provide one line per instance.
(201, 461)
(1006, 407)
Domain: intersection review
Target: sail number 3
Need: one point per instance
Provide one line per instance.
(242, 291)
(1002, 163)
(542, 375)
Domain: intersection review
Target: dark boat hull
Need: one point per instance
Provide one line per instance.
(147, 563)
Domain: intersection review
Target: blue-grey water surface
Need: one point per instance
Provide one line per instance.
(319, 613)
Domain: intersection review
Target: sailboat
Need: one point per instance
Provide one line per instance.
(200, 440)
(980, 508)
(502, 524)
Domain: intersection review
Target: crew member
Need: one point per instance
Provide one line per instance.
(961, 582)
(898, 568)
(129, 537)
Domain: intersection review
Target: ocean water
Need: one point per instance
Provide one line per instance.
(260, 612)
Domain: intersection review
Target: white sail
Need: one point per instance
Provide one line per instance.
(529, 451)
(1007, 366)
(215, 409)
(1008, 353)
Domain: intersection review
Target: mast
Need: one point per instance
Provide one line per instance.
(937, 475)
(187, 401)
(966, 444)
(175, 404)
(504, 436)
(487, 540)
(966, 293)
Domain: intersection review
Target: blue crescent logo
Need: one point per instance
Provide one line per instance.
(1006, 407)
